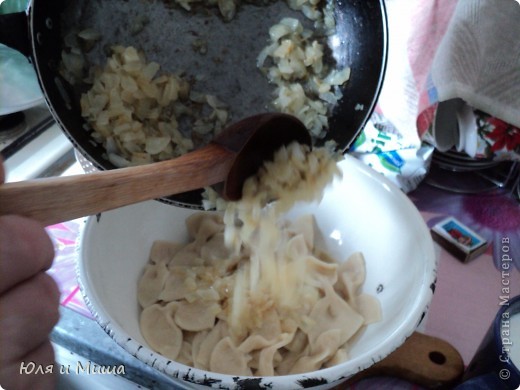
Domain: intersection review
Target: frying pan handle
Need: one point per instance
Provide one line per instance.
(14, 32)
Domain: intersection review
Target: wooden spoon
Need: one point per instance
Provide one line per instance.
(233, 156)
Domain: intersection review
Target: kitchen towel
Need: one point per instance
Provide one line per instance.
(478, 59)
(390, 142)
(447, 55)
(477, 63)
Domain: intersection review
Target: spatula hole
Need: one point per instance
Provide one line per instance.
(437, 357)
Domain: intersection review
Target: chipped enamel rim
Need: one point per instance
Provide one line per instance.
(371, 193)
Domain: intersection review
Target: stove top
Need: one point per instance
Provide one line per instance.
(32, 145)
(20, 128)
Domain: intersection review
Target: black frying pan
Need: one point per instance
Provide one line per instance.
(361, 29)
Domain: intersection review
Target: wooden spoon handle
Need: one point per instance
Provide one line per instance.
(59, 199)
(424, 360)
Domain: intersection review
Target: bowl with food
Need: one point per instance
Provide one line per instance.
(300, 296)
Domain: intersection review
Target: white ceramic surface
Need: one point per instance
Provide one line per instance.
(362, 212)
(445, 125)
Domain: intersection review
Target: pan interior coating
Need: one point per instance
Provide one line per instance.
(218, 57)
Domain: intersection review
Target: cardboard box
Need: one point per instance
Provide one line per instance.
(458, 239)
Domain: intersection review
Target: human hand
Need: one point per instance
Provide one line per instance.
(29, 301)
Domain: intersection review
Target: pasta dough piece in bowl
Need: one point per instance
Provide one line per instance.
(296, 289)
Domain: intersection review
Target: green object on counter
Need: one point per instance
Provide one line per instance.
(12, 6)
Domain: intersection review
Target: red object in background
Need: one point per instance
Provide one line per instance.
(504, 135)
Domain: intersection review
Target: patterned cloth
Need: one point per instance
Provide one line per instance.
(65, 236)
(475, 61)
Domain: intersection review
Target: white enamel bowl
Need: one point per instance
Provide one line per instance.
(362, 212)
